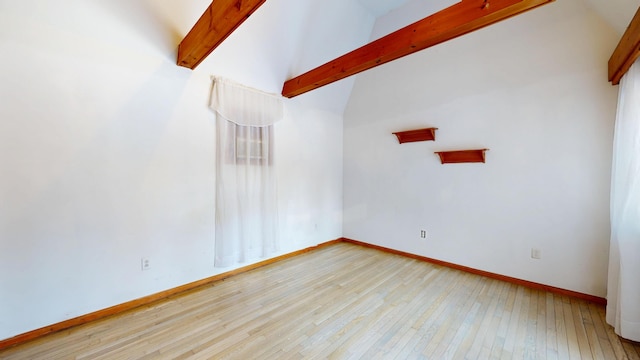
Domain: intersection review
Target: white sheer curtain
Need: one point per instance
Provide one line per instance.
(623, 294)
(246, 190)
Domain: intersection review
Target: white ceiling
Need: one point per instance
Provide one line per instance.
(617, 13)
(317, 31)
(380, 7)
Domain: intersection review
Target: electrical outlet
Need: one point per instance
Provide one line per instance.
(536, 253)
(423, 234)
(145, 264)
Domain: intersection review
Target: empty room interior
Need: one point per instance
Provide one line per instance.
(319, 179)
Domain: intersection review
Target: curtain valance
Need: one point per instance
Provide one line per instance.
(243, 105)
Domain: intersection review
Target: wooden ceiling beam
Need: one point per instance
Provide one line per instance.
(627, 51)
(220, 19)
(456, 20)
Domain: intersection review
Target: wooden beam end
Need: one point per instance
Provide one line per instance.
(627, 51)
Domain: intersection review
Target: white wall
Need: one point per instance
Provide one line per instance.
(106, 147)
(533, 89)
(107, 155)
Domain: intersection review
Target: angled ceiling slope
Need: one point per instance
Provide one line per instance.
(380, 7)
(222, 17)
(456, 20)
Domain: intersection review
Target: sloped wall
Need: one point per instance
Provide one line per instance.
(107, 155)
(532, 89)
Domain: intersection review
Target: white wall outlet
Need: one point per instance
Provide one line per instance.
(423, 234)
(536, 253)
(145, 264)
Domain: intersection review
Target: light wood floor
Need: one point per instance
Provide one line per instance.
(342, 302)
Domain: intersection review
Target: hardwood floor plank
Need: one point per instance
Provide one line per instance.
(541, 323)
(572, 336)
(485, 300)
(346, 301)
(551, 328)
(410, 295)
(428, 307)
(456, 330)
(444, 328)
(581, 331)
(601, 332)
(398, 326)
(511, 332)
(614, 340)
(592, 337)
(561, 328)
(520, 331)
(529, 343)
(498, 349)
(435, 317)
(630, 350)
(398, 319)
(492, 331)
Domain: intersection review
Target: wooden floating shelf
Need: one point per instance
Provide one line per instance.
(462, 156)
(428, 134)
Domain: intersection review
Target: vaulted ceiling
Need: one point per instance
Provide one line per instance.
(285, 38)
(381, 7)
(617, 13)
